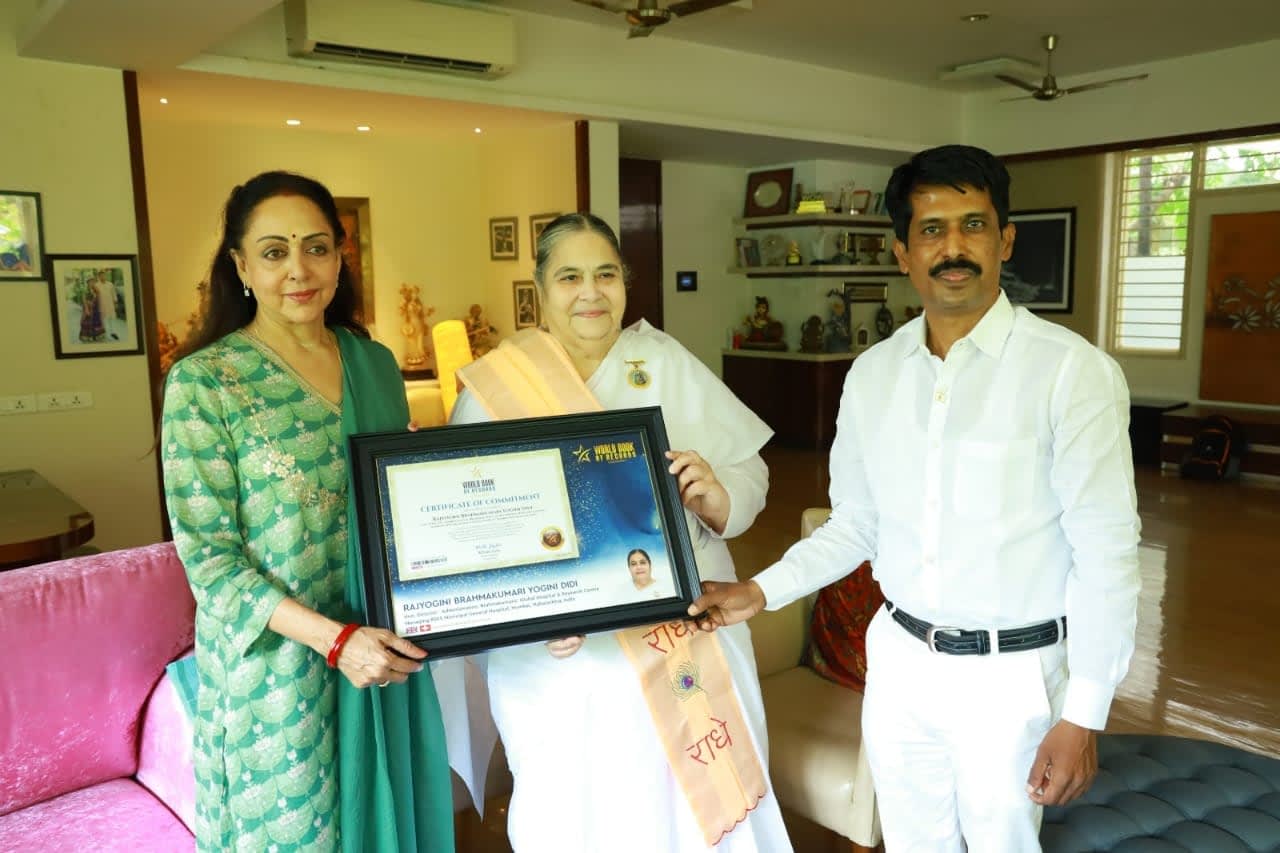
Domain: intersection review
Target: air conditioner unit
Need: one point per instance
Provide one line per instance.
(407, 34)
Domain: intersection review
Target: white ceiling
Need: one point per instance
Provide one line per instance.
(911, 41)
(247, 102)
(916, 40)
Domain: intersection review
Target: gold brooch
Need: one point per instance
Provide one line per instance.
(636, 377)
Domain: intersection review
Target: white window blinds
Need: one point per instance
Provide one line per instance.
(1151, 268)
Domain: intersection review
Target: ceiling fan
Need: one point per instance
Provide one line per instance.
(646, 15)
(1048, 89)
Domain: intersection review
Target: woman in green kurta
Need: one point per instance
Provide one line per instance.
(289, 756)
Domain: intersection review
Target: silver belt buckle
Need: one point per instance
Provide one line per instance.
(931, 636)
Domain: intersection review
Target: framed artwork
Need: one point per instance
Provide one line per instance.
(524, 296)
(21, 237)
(1039, 274)
(95, 304)
(504, 244)
(357, 252)
(768, 193)
(536, 223)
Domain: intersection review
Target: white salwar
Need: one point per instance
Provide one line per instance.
(590, 771)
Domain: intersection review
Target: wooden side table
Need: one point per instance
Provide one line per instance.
(38, 522)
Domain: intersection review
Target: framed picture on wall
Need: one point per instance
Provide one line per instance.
(95, 304)
(536, 223)
(21, 236)
(357, 252)
(1039, 274)
(504, 244)
(524, 297)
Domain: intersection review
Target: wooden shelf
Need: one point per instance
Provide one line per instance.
(795, 220)
(819, 271)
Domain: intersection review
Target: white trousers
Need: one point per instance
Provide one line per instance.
(951, 740)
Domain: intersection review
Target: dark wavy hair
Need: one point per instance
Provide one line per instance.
(226, 307)
(957, 166)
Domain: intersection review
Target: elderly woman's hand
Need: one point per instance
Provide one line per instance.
(566, 647)
(700, 491)
(377, 656)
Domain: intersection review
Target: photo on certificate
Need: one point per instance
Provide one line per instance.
(487, 535)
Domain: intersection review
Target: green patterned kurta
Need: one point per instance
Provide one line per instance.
(255, 477)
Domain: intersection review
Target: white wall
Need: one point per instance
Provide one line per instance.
(699, 202)
(1209, 91)
(70, 145)
(430, 205)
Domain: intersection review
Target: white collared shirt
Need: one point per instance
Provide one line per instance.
(990, 490)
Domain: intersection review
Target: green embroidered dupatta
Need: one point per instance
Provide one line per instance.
(394, 783)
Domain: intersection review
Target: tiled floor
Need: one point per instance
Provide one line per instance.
(1208, 656)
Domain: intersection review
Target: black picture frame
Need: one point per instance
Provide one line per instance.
(504, 238)
(615, 472)
(95, 303)
(1040, 273)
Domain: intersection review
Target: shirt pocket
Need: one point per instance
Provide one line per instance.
(993, 479)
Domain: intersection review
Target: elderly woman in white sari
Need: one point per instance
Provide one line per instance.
(597, 757)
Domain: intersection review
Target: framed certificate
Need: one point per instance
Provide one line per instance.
(519, 531)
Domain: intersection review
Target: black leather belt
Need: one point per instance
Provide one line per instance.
(957, 641)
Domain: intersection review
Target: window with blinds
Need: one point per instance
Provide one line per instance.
(1151, 261)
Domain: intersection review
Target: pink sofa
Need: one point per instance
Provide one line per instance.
(95, 748)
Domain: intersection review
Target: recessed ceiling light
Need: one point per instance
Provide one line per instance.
(363, 128)
(293, 122)
(477, 130)
(976, 17)
(164, 100)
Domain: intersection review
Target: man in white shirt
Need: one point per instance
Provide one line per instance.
(982, 464)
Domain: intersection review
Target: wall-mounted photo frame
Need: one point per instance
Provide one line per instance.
(524, 300)
(357, 252)
(1039, 274)
(504, 243)
(22, 255)
(536, 223)
(768, 193)
(95, 304)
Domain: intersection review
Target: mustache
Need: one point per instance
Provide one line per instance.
(955, 264)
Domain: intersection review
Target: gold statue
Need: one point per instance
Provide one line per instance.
(415, 328)
(478, 331)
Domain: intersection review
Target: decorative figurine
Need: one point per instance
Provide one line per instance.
(842, 255)
(811, 334)
(478, 331)
(763, 332)
(838, 336)
(884, 321)
(415, 328)
(861, 339)
(793, 254)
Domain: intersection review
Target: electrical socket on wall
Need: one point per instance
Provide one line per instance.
(57, 401)
(18, 404)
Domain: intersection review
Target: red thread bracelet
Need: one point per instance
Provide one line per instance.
(335, 651)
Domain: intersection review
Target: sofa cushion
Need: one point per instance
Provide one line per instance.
(92, 635)
(838, 634)
(815, 758)
(165, 752)
(119, 815)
